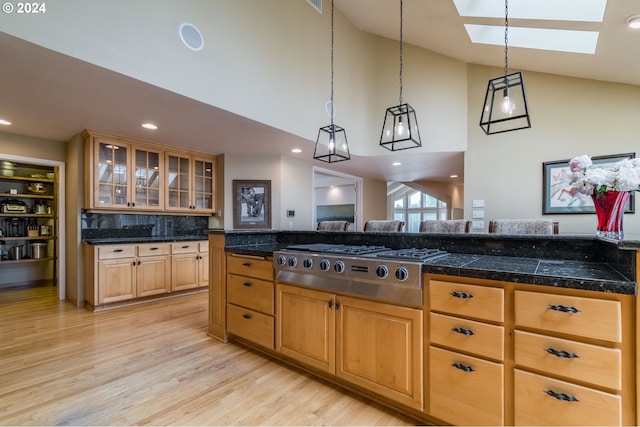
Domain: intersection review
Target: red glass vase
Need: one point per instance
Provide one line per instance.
(610, 212)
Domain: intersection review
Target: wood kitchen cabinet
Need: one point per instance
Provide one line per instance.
(374, 345)
(189, 265)
(190, 183)
(123, 272)
(504, 353)
(251, 299)
(123, 174)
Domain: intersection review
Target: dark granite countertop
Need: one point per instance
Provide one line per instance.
(133, 240)
(573, 274)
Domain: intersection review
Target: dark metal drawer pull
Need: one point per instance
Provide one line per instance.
(246, 264)
(461, 295)
(330, 303)
(462, 367)
(563, 308)
(185, 247)
(463, 331)
(561, 353)
(246, 316)
(118, 250)
(153, 249)
(247, 284)
(561, 396)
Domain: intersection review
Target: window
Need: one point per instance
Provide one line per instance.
(413, 207)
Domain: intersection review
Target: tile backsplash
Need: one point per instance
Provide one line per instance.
(102, 226)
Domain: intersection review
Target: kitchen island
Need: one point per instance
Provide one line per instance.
(531, 302)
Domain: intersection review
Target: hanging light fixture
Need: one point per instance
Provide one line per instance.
(505, 103)
(400, 128)
(331, 145)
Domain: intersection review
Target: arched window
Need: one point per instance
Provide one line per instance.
(413, 207)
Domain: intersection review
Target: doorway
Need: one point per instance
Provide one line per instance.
(336, 196)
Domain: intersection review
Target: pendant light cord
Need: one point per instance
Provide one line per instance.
(506, 39)
(400, 52)
(332, 106)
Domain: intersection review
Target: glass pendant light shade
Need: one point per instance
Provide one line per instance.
(505, 105)
(400, 128)
(331, 145)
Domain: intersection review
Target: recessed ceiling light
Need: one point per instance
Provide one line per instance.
(296, 150)
(634, 21)
(453, 176)
(5, 122)
(149, 126)
(396, 163)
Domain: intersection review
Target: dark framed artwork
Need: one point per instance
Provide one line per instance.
(557, 197)
(251, 204)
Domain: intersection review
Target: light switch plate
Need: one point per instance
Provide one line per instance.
(478, 214)
(478, 203)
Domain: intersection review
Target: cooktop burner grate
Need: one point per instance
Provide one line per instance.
(413, 254)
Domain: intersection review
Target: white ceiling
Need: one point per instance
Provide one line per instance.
(53, 96)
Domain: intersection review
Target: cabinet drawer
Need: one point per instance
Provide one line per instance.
(115, 251)
(203, 246)
(184, 248)
(481, 302)
(585, 362)
(153, 249)
(535, 403)
(250, 266)
(585, 317)
(251, 293)
(466, 335)
(251, 325)
(465, 397)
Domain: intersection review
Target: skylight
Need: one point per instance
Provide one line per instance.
(536, 38)
(557, 39)
(547, 10)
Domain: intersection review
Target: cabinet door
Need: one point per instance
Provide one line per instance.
(116, 280)
(152, 275)
(148, 179)
(379, 347)
(203, 269)
(203, 189)
(184, 272)
(178, 182)
(305, 326)
(111, 174)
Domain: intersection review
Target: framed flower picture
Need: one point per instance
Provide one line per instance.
(252, 204)
(559, 198)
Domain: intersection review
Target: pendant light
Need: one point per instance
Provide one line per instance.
(400, 128)
(331, 145)
(505, 103)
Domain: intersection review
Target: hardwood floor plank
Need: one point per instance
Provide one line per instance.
(152, 364)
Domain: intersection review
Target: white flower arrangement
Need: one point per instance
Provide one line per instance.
(587, 179)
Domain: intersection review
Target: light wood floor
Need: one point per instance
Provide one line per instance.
(151, 364)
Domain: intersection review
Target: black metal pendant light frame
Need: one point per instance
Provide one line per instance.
(331, 144)
(400, 127)
(505, 104)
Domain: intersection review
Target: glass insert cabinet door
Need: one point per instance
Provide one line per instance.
(203, 185)
(148, 179)
(179, 182)
(112, 172)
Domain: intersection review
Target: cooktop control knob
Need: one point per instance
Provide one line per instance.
(382, 271)
(281, 260)
(402, 274)
(339, 267)
(325, 265)
(307, 263)
(292, 262)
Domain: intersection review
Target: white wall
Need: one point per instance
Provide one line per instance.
(569, 117)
